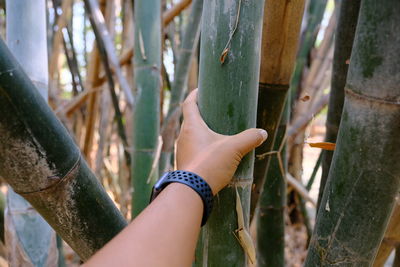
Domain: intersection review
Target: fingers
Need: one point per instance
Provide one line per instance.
(248, 140)
(189, 106)
(191, 111)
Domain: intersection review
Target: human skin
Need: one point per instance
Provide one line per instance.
(166, 232)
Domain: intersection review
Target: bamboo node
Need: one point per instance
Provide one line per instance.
(354, 94)
(71, 174)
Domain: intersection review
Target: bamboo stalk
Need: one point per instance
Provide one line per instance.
(107, 54)
(364, 179)
(315, 13)
(146, 115)
(91, 112)
(62, 22)
(41, 162)
(179, 86)
(93, 75)
(271, 209)
(278, 58)
(228, 83)
(106, 45)
(29, 239)
(345, 32)
(391, 240)
(72, 61)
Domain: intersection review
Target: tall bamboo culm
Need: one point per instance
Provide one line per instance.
(345, 31)
(364, 177)
(29, 238)
(179, 86)
(271, 210)
(41, 162)
(315, 13)
(278, 53)
(278, 58)
(228, 83)
(146, 113)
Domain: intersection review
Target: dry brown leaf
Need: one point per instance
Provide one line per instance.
(244, 237)
(223, 55)
(323, 145)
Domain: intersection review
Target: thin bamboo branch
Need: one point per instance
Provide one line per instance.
(107, 52)
(62, 22)
(179, 85)
(106, 46)
(310, 181)
(299, 187)
(174, 11)
(91, 112)
(302, 121)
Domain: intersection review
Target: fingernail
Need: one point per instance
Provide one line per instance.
(264, 135)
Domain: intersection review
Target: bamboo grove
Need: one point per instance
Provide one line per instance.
(90, 109)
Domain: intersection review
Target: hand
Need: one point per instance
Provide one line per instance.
(213, 156)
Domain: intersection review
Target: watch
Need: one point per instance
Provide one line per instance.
(192, 180)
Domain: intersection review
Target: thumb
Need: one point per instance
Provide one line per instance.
(248, 140)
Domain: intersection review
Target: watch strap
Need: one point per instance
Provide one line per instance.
(192, 180)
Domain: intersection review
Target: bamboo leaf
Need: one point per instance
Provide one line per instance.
(323, 145)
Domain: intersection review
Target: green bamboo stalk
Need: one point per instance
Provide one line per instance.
(281, 28)
(179, 86)
(146, 115)
(315, 13)
(364, 178)
(228, 82)
(271, 219)
(345, 31)
(40, 161)
(29, 238)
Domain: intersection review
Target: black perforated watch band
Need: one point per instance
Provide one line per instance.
(192, 180)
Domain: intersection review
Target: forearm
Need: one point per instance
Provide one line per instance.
(164, 234)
